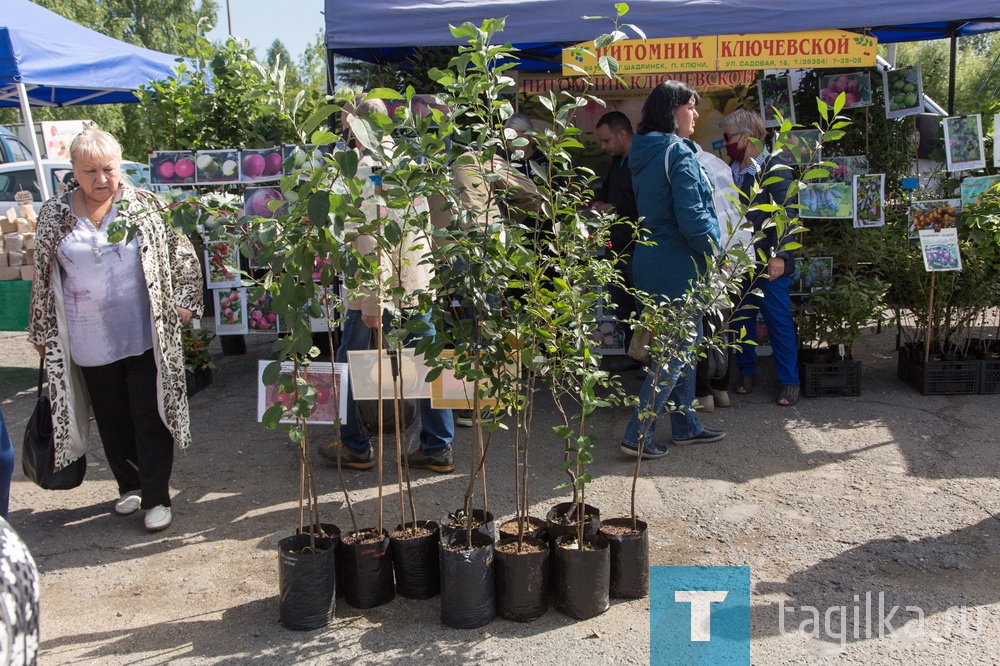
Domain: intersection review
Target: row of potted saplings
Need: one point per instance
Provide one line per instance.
(477, 576)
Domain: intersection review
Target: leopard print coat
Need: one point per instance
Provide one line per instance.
(174, 278)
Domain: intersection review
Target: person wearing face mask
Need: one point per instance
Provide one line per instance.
(673, 195)
(751, 166)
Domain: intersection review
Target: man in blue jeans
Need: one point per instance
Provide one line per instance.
(402, 269)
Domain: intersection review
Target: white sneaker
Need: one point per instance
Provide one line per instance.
(128, 503)
(158, 518)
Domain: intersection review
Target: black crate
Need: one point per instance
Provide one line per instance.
(196, 380)
(989, 377)
(939, 377)
(839, 378)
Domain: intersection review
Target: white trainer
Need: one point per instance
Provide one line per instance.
(158, 518)
(128, 503)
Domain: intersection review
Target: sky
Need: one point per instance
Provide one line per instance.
(295, 22)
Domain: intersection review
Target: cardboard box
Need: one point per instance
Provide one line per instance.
(26, 211)
(13, 242)
(28, 241)
(25, 226)
(8, 226)
(28, 258)
(3, 260)
(7, 274)
(15, 259)
(27, 272)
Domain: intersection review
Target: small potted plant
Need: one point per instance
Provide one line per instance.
(197, 361)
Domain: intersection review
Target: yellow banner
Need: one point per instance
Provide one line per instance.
(813, 49)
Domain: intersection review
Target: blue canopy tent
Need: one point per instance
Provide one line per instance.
(48, 60)
(383, 30)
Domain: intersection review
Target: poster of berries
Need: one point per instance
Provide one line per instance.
(973, 188)
(217, 167)
(826, 201)
(262, 318)
(222, 264)
(933, 214)
(856, 86)
(804, 146)
(963, 143)
(257, 202)
(230, 311)
(940, 249)
(329, 381)
(904, 91)
(869, 201)
(846, 168)
(172, 167)
(774, 97)
(260, 165)
(815, 273)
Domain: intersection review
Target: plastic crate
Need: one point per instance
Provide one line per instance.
(989, 377)
(840, 378)
(939, 377)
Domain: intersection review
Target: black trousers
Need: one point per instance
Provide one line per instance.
(139, 447)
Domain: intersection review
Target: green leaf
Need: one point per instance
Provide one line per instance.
(621, 8)
(383, 93)
(319, 209)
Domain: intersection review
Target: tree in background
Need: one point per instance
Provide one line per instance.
(412, 71)
(976, 54)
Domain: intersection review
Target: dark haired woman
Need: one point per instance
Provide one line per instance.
(674, 198)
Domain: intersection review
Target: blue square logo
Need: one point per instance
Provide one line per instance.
(699, 615)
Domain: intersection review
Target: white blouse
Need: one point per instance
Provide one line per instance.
(107, 307)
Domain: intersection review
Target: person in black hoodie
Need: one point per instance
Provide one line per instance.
(775, 264)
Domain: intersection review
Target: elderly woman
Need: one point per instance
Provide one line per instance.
(106, 316)
(674, 199)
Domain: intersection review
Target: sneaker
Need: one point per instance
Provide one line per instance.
(463, 417)
(158, 518)
(349, 458)
(703, 437)
(441, 462)
(128, 503)
(649, 452)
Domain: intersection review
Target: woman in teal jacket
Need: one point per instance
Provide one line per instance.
(678, 215)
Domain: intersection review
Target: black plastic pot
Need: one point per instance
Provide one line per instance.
(306, 583)
(537, 528)
(557, 528)
(522, 581)
(629, 559)
(483, 518)
(416, 562)
(367, 569)
(333, 532)
(582, 577)
(468, 586)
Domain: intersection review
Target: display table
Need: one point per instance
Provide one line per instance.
(15, 297)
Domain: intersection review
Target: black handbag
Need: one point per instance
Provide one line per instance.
(367, 410)
(38, 457)
(715, 363)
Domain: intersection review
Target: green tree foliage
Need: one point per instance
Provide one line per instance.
(412, 71)
(972, 73)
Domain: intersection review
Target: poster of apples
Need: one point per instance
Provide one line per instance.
(856, 86)
(217, 167)
(774, 96)
(172, 167)
(411, 373)
(904, 91)
(329, 380)
(222, 264)
(302, 157)
(869, 201)
(847, 167)
(260, 165)
(230, 311)
(940, 249)
(262, 318)
(804, 146)
(610, 336)
(963, 143)
(257, 202)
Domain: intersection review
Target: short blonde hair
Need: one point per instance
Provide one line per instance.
(95, 143)
(744, 120)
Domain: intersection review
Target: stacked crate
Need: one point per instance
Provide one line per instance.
(17, 244)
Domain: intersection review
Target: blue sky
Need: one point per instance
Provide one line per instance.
(295, 22)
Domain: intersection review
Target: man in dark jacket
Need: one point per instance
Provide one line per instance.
(775, 264)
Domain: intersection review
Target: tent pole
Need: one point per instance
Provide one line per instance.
(951, 74)
(29, 123)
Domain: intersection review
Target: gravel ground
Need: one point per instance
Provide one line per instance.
(892, 494)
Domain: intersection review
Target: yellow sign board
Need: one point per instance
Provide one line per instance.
(813, 49)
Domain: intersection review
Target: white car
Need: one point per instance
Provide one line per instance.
(16, 176)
